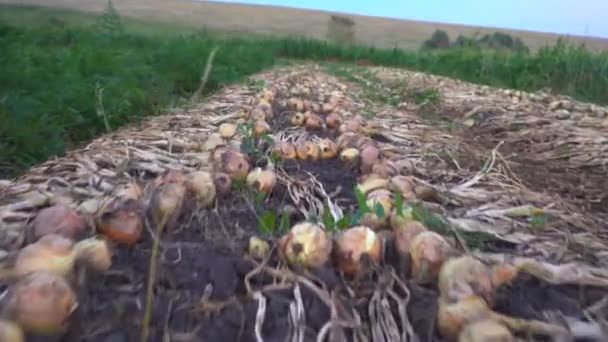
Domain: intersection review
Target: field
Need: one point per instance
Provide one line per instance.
(113, 131)
(381, 32)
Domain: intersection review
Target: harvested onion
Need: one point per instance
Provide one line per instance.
(404, 185)
(486, 330)
(51, 253)
(384, 169)
(235, 164)
(42, 303)
(313, 121)
(262, 180)
(201, 183)
(227, 130)
(333, 121)
(428, 251)
(405, 234)
(384, 199)
(95, 253)
(306, 245)
(295, 104)
(352, 125)
(222, 182)
(349, 154)
(297, 119)
(464, 276)
(10, 332)
(452, 317)
(286, 150)
(369, 157)
(372, 183)
(120, 218)
(168, 197)
(327, 149)
(307, 151)
(258, 248)
(352, 244)
(58, 219)
(260, 127)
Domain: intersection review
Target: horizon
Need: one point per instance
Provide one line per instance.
(565, 19)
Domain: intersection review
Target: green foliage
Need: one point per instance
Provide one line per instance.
(439, 40)
(49, 102)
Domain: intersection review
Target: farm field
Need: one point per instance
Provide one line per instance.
(298, 191)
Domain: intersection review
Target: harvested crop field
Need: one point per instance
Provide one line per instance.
(514, 180)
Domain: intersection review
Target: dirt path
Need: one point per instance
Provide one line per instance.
(487, 197)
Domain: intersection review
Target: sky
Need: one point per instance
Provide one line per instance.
(579, 17)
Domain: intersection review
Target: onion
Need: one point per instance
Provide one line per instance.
(235, 164)
(307, 151)
(51, 253)
(327, 149)
(404, 185)
(313, 121)
(222, 182)
(384, 169)
(486, 330)
(333, 121)
(258, 248)
(371, 184)
(120, 219)
(262, 180)
(405, 234)
(260, 127)
(428, 252)
(214, 141)
(258, 114)
(382, 197)
(306, 245)
(295, 104)
(347, 140)
(42, 303)
(227, 130)
(286, 150)
(351, 125)
(352, 244)
(399, 221)
(349, 154)
(201, 183)
(168, 197)
(95, 253)
(10, 332)
(369, 157)
(297, 119)
(58, 219)
(452, 317)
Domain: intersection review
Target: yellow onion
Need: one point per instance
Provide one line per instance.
(352, 244)
(297, 119)
(313, 121)
(398, 221)
(328, 107)
(384, 169)
(347, 140)
(369, 157)
(262, 180)
(201, 183)
(452, 317)
(372, 183)
(405, 234)
(351, 125)
(168, 197)
(333, 121)
(286, 150)
(235, 164)
(10, 332)
(120, 218)
(428, 252)
(51, 253)
(349, 155)
(371, 219)
(485, 330)
(258, 248)
(95, 253)
(426, 192)
(260, 127)
(214, 140)
(404, 185)
(222, 182)
(295, 104)
(307, 151)
(305, 245)
(258, 114)
(464, 276)
(327, 149)
(42, 303)
(227, 130)
(58, 219)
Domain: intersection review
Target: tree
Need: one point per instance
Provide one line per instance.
(110, 22)
(439, 40)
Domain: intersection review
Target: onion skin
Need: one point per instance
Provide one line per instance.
(297, 119)
(327, 149)
(371, 219)
(287, 151)
(227, 130)
(369, 157)
(372, 183)
(352, 244)
(201, 183)
(10, 332)
(313, 122)
(42, 303)
(333, 121)
(235, 164)
(405, 234)
(120, 218)
(262, 180)
(428, 251)
(51, 253)
(222, 182)
(305, 245)
(168, 198)
(351, 125)
(485, 330)
(465, 276)
(59, 219)
(95, 253)
(452, 317)
(258, 248)
(307, 151)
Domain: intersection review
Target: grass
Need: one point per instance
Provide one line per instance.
(57, 63)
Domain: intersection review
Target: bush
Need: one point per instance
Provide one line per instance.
(439, 40)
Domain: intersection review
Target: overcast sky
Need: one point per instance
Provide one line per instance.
(581, 17)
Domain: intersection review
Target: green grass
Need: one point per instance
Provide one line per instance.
(53, 61)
